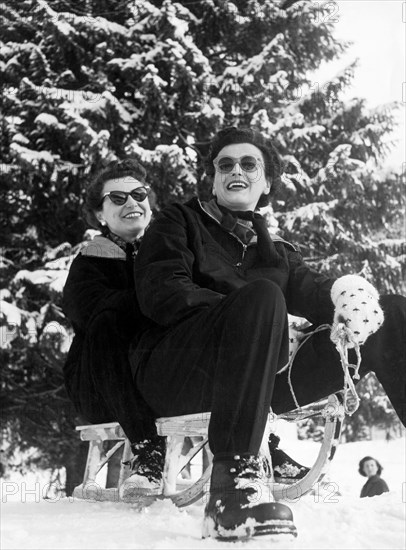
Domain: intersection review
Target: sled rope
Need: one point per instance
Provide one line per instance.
(289, 366)
(343, 337)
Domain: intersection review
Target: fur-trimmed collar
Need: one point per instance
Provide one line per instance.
(102, 247)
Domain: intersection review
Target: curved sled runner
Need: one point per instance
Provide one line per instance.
(179, 458)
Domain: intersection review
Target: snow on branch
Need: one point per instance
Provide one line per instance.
(249, 69)
(58, 21)
(51, 278)
(309, 213)
(47, 120)
(30, 158)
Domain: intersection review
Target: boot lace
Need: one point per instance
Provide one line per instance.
(248, 467)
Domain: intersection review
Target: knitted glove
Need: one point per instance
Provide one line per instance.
(356, 305)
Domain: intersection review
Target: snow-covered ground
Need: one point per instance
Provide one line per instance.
(332, 518)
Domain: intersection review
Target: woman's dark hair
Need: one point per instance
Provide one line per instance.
(231, 135)
(362, 463)
(114, 170)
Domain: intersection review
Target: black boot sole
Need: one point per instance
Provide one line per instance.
(272, 529)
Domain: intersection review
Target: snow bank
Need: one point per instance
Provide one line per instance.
(334, 518)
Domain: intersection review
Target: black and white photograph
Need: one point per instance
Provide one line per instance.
(202, 274)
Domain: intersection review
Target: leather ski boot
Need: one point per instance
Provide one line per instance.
(241, 504)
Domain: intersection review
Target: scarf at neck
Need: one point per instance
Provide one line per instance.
(266, 247)
(130, 249)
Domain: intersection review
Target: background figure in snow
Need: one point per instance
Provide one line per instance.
(369, 467)
(100, 301)
(219, 287)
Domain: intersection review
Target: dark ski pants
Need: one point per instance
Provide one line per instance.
(224, 359)
(101, 384)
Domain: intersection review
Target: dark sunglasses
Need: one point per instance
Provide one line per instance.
(139, 194)
(225, 165)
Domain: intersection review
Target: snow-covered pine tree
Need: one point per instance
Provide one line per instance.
(84, 82)
(375, 411)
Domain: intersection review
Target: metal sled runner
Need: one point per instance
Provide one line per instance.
(193, 428)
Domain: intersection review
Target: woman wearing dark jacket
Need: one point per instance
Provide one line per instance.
(219, 287)
(100, 301)
(370, 468)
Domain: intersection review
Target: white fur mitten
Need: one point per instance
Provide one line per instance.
(356, 305)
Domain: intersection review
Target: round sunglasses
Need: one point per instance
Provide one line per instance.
(225, 165)
(119, 198)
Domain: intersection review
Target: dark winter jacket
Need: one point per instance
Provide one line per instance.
(100, 278)
(191, 257)
(374, 486)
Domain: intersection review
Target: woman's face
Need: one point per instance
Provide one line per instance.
(130, 219)
(241, 187)
(370, 468)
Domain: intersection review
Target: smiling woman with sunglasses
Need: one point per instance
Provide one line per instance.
(219, 286)
(100, 301)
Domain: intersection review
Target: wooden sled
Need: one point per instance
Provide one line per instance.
(195, 427)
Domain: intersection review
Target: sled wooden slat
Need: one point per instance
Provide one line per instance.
(110, 431)
(187, 425)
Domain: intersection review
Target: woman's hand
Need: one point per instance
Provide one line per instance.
(356, 307)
